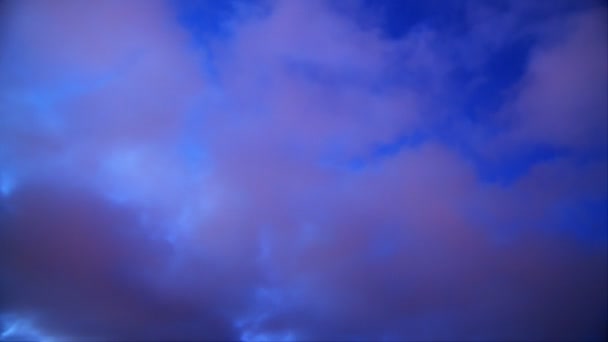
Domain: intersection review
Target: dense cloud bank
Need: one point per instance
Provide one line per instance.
(303, 170)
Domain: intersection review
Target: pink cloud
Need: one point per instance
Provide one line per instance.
(263, 237)
(563, 97)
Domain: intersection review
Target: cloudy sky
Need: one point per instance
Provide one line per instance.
(299, 170)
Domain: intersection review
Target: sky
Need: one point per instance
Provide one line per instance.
(267, 170)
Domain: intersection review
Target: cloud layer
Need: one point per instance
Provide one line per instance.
(307, 173)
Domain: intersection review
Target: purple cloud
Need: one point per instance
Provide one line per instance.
(303, 176)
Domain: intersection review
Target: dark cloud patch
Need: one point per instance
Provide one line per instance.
(82, 267)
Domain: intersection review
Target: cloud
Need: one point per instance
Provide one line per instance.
(303, 177)
(84, 268)
(563, 97)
